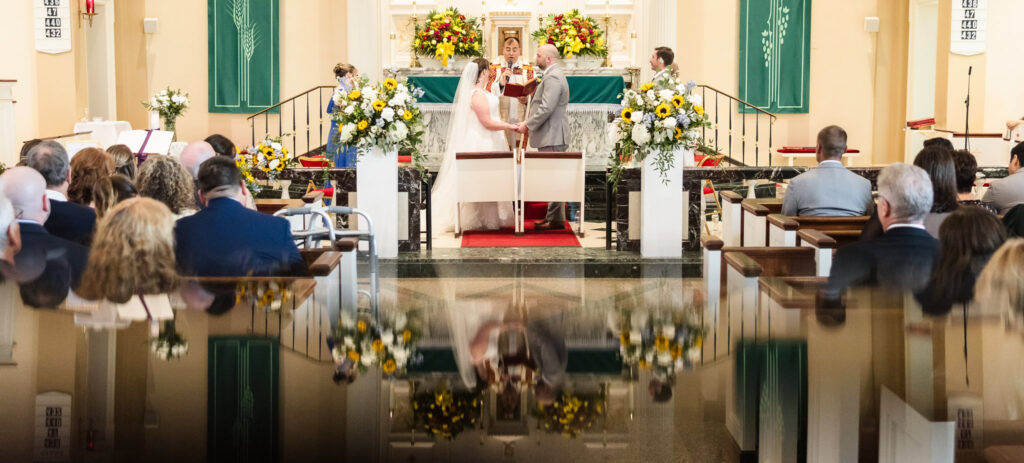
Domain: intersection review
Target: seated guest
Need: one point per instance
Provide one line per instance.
(194, 155)
(1001, 284)
(967, 240)
(67, 220)
(25, 148)
(829, 190)
(89, 166)
(939, 142)
(125, 161)
(164, 179)
(111, 191)
(902, 257)
(966, 166)
(132, 254)
(938, 163)
(225, 238)
(42, 255)
(221, 145)
(10, 236)
(1007, 192)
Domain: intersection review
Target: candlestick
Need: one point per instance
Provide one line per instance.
(607, 40)
(632, 48)
(414, 62)
(414, 8)
(607, 4)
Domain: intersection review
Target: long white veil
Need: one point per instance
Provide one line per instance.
(443, 194)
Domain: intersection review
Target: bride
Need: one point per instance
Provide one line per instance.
(474, 127)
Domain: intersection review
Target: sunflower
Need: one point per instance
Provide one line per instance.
(378, 345)
(663, 111)
(646, 87)
(389, 366)
(678, 101)
(627, 114)
(353, 355)
(661, 342)
(280, 166)
(624, 338)
(361, 326)
(679, 133)
(354, 95)
(362, 125)
(698, 109)
(406, 336)
(390, 83)
(677, 351)
(268, 297)
(379, 105)
(645, 365)
(407, 115)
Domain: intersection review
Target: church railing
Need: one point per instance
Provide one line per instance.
(316, 128)
(721, 107)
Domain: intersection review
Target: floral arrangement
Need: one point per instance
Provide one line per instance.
(664, 342)
(264, 295)
(570, 414)
(169, 344)
(656, 120)
(447, 33)
(268, 157)
(442, 413)
(382, 115)
(573, 34)
(363, 342)
(170, 104)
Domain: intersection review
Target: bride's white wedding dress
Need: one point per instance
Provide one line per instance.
(467, 134)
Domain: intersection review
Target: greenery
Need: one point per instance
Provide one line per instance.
(573, 34)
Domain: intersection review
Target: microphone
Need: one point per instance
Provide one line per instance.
(969, 69)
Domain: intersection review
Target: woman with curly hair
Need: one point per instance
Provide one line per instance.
(88, 167)
(124, 160)
(164, 179)
(132, 253)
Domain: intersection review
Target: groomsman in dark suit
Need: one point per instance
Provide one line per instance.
(226, 239)
(71, 221)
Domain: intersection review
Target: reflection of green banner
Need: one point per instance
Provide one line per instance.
(775, 54)
(243, 55)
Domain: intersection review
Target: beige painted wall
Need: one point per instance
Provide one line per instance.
(18, 383)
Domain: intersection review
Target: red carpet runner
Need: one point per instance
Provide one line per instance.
(506, 238)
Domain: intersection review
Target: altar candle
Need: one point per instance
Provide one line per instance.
(90, 6)
(414, 8)
(606, 6)
(632, 48)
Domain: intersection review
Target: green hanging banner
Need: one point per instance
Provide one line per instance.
(775, 54)
(243, 55)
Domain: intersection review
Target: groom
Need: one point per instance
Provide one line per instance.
(546, 122)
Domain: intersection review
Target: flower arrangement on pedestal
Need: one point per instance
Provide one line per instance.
(169, 104)
(655, 122)
(361, 342)
(570, 414)
(448, 33)
(443, 413)
(169, 344)
(382, 115)
(269, 156)
(663, 342)
(573, 33)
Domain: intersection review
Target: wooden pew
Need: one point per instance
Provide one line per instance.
(755, 220)
(782, 230)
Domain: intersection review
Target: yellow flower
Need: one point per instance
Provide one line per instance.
(661, 342)
(362, 125)
(645, 365)
(698, 109)
(624, 338)
(663, 111)
(678, 101)
(268, 297)
(407, 115)
(646, 87)
(361, 326)
(676, 350)
(353, 355)
(406, 336)
(389, 367)
(379, 105)
(378, 345)
(627, 114)
(354, 95)
(679, 133)
(390, 83)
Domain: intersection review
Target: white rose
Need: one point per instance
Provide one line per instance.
(651, 95)
(388, 114)
(276, 146)
(400, 130)
(401, 356)
(347, 341)
(346, 132)
(695, 99)
(350, 109)
(366, 360)
(665, 358)
(666, 95)
(669, 331)
(693, 354)
(638, 116)
(634, 337)
(387, 337)
(640, 135)
(669, 123)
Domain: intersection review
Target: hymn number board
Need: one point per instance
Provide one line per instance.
(53, 426)
(969, 25)
(52, 25)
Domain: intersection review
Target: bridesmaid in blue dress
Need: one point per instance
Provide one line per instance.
(343, 156)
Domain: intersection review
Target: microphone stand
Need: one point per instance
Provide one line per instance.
(967, 113)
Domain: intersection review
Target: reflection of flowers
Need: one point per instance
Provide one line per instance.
(442, 413)
(664, 342)
(570, 414)
(169, 344)
(272, 295)
(365, 342)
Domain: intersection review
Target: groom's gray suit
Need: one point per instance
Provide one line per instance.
(549, 129)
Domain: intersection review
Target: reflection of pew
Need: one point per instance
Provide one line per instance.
(484, 177)
(553, 177)
(782, 230)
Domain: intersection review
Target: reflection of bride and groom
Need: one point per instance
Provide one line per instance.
(476, 126)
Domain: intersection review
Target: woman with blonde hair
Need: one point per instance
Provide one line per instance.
(111, 191)
(88, 167)
(1001, 283)
(164, 179)
(124, 160)
(132, 253)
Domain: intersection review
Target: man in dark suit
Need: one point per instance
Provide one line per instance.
(226, 239)
(901, 258)
(44, 261)
(67, 220)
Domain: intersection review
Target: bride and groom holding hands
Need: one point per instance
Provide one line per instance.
(476, 126)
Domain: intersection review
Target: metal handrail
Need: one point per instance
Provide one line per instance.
(752, 106)
(300, 95)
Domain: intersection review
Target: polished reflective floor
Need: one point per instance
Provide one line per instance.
(560, 368)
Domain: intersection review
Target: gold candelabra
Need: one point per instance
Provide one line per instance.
(607, 35)
(414, 62)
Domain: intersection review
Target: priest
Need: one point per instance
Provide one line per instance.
(510, 70)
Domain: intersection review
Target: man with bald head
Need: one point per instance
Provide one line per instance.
(547, 122)
(192, 157)
(41, 253)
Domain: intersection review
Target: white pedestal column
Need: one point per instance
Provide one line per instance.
(661, 210)
(377, 187)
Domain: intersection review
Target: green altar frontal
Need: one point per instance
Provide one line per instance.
(582, 89)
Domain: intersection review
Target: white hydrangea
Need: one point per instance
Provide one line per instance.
(640, 135)
(693, 354)
(634, 337)
(388, 114)
(669, 331)
(387, 337)
(347, 131)
(669, 123)
(664, 358)
(695, 99)
(401, 356)
(666, 95)
(399, 131)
